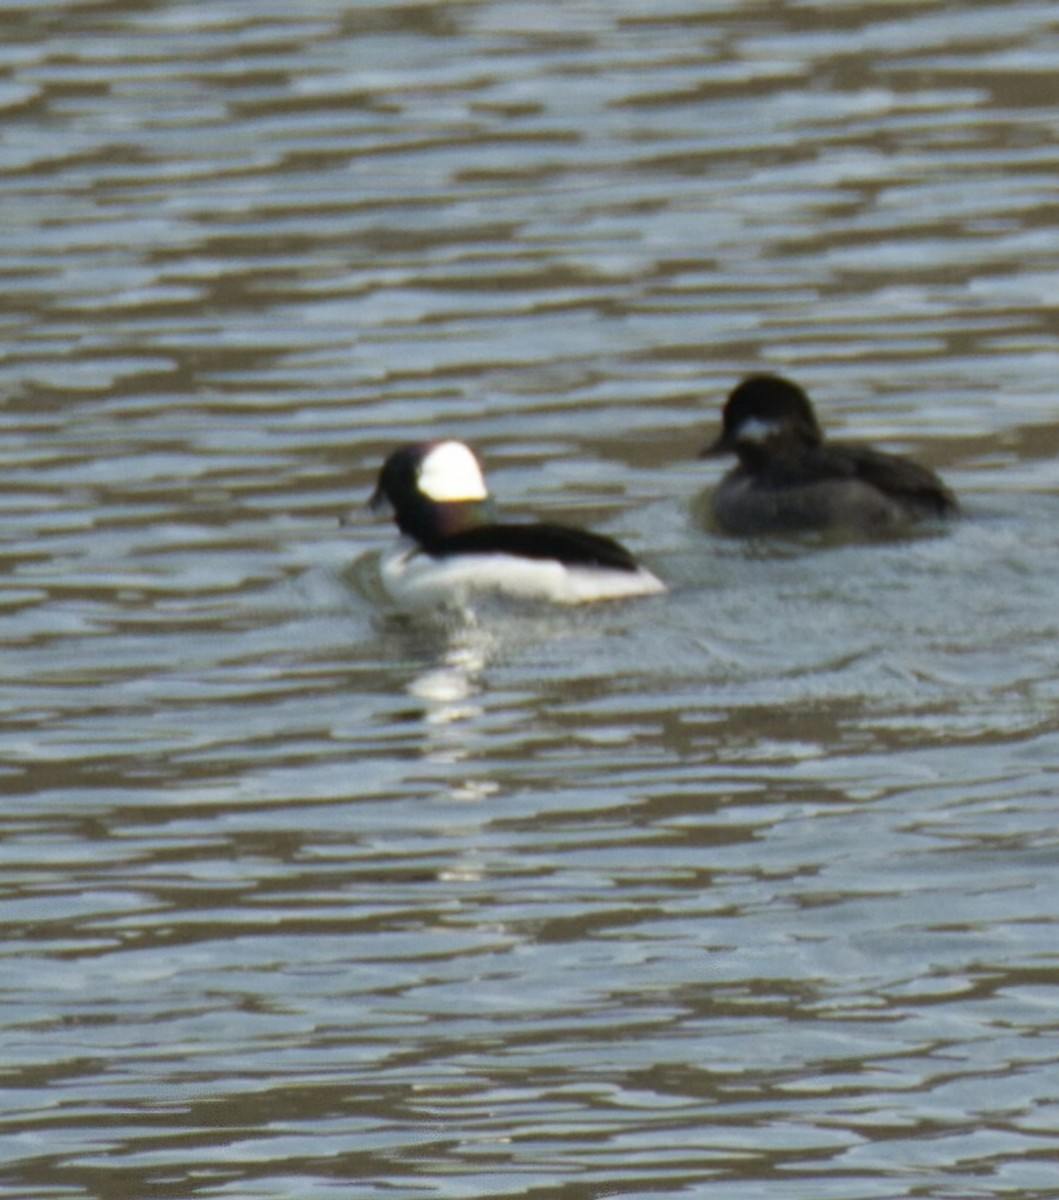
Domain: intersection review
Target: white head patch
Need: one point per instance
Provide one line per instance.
(754, 429)
(450, 472)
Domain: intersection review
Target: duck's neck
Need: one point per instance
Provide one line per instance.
(430, 522)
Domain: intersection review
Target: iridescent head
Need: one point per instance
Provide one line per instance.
(433, 489)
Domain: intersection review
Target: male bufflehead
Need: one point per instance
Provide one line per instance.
(791, 479)
(454, 547)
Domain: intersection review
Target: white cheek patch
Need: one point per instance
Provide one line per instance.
(754, 429)
(450, 472)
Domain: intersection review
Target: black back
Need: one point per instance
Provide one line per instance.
(894, 476)
(541, 540)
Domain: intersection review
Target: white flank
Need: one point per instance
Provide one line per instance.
(415, 580)
(450, 472)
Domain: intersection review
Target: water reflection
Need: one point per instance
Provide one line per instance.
(450, 692)
(446, 689)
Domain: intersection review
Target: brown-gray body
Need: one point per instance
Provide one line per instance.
(790, 478)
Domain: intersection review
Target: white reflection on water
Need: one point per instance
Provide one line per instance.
(446, 687)
(448, 692)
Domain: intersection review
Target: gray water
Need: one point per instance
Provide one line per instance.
(744, 891)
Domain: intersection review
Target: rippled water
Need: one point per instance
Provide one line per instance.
(743, 891)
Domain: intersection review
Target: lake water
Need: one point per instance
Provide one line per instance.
(746, 891)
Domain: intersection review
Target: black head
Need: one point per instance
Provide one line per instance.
(767, 416)
(434, 489)
(399, 478)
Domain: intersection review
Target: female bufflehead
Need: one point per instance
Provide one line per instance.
(790, 479)
(454, 547)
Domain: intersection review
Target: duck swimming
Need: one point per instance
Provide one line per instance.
(453, 547)
(790, 478)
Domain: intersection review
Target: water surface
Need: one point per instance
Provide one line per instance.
(742, 891)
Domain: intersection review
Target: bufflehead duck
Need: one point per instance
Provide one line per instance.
(453, 546)
(791, 479)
